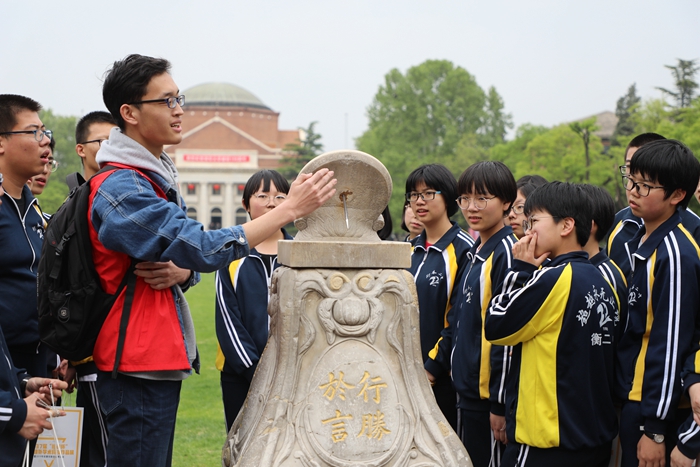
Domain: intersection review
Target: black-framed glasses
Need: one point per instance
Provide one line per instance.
(98, 141)
(518, 209)
(623, 169)
(266, 199)
(642, 188)
(529, 223)
(38, 133)
(479, 203)
(425, 196)
(171, 102)
(53, 165)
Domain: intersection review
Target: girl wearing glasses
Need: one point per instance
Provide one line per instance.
(516, 216)
(438, 257)
(242, 293)
(487, 192)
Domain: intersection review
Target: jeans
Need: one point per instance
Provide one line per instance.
(140, 416)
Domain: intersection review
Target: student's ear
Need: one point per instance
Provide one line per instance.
(568, 226)
(80, 150)
(506, 209)
(677, 196)
(128, 114)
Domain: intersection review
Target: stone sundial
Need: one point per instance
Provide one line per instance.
(341, 381)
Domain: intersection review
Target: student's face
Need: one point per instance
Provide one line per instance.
(155, 125)
(697, 193)
(488, 220)
(88, 152)
(415, 227)
(548, 232)
(38, 182)
(516, 220)
(22, 155)
(429, 212)
(259, 206)
(653, 207)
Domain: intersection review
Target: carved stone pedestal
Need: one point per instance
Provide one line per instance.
(341, 382)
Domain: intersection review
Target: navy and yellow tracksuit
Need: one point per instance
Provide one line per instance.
(617, 280)
(559, 387)
(626, 226)
(663, 303)
(434, 270)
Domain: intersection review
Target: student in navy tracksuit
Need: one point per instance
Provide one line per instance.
(439, 254)
(603, 213)
(487, 191)
(560, 320)
(626, 223)
(663, 302)
(526, 185)
(242, 293)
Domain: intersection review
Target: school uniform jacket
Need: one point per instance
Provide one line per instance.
(663, 301)
(435, 270)
(242, 323)
(616, 278)
(559, 389)
(478, 368)
(13, 410)
(626, 226)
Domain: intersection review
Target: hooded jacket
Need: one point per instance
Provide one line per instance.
(131, 219)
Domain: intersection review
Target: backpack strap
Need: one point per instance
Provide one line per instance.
(74, 180)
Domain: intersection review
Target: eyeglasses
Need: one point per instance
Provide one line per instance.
(479, 203)
(38, 134)
(623, 169)
(171, 102)
(425, 196)
(53, 163)
(518, 209)
(98, 141)
(265, 199)
(529, 223)
(1, 180)
(642, 188)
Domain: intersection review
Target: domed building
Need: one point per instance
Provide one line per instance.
(228, 134)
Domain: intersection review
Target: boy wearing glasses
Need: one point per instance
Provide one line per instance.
(24, 152)
(137, 213)
(626, 224)
(663, 302)
(560, 319)
(90, 132)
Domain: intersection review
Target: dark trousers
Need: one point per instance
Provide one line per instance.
(630, 421)
(475, 433)
(234, 390)
(520, 455)
(140, 416)
(93, 447)
(446, 399)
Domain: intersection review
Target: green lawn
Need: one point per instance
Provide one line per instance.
(201, 430)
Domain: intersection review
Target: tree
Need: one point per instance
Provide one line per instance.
(496, 121)
(584, 129)
(308, 147)
(626, 107)
(684, 76)
(422, 116)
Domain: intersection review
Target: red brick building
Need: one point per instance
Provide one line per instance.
(228, 134)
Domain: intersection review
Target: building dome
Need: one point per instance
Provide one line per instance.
(222, 95)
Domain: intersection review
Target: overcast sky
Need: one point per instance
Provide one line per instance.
(551, 60)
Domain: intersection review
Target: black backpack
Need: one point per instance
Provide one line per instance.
(72, 304)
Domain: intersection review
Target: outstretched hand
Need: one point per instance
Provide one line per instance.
(309, 191)
(524, 250)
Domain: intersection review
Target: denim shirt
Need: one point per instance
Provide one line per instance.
(131, 218)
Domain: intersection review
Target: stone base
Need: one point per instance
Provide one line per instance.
(344, 254)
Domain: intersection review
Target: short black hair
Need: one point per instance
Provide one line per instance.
(127, 81)
(52, 145)
(492, 177)
(671, 164)
(642, 139)
(385, 232)
(439, 178)
(404, 227)
(82, 129)
(602, 209)
(265, 177)
(527, 184)
(561, 200)
(10, 106)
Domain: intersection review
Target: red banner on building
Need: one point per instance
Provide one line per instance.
(216, 158)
